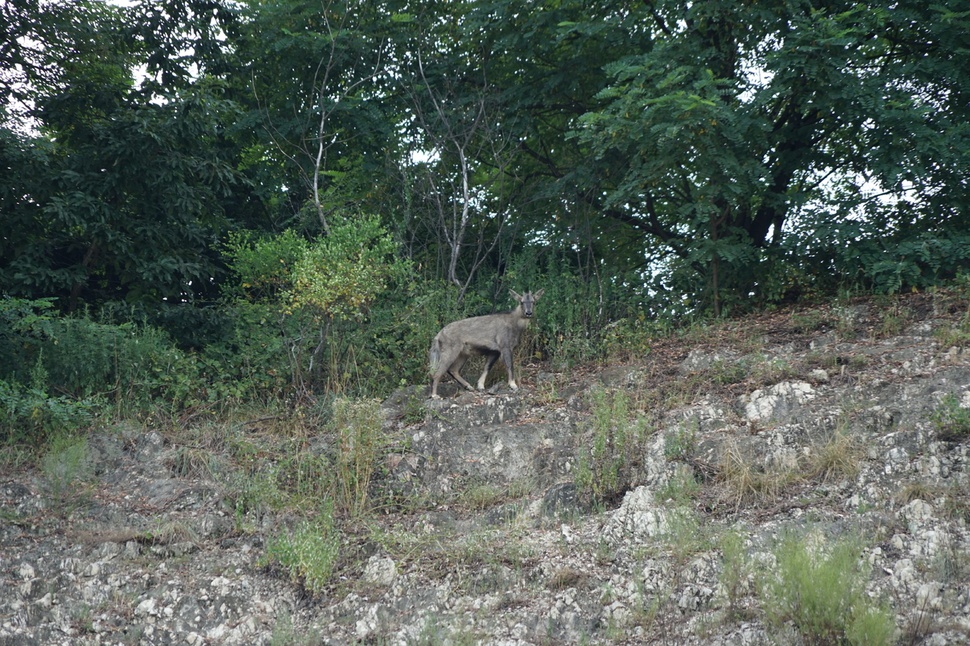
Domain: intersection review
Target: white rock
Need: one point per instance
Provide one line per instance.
(777, 400)
(819, 375)
(380, 571)
(147, 607)
(638, 517)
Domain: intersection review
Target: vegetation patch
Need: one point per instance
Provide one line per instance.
(607, 470)
(821, 591)
(308, 553)
(747, 482)
(67, 469)
(833, 460)
(952, 420)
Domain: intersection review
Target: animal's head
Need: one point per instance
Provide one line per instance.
(527, 300)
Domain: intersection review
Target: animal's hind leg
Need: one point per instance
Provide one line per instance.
(455, 371)
(490, 360)
(445, 363)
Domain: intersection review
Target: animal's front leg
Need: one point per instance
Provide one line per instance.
(507, 358)
(489, 362)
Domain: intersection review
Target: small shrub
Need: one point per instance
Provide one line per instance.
(631, 337)
(169, 532)
(836, 459)
(771, 371)
(746, 482)
(681, 488)
(415, 412)
(686, 534)
(286, 634)
(916, 490)
(357, 424)
(31, 415)
(808, 321)
(955, 335)
(734, 571)
(822, 594)
(951, 420)
(956, 502)
(66, 467)
(728, 371)
(307, 554)
(193, 462)
(680, 443)
(305, 476)
(607, 470)
(251, 495)
(892, 320)
(482, 496)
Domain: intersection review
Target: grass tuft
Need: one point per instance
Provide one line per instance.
(821, 592)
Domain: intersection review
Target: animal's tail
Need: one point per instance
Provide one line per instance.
(435, 355)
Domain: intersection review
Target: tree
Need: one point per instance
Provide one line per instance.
(307, 285)
(457, 121)
(114, 188)
(746, 121)
(311, 73)
(719, 146)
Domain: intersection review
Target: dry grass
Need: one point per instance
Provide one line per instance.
(835, 460)
(747, 483)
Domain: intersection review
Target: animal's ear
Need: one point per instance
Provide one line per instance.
(539, 294)
(515, 295)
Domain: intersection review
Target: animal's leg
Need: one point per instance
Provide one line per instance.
(445, 362)
(507, 359)
(490, 360)
(455, 371)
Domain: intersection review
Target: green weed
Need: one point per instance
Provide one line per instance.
(821, 592)
(680, 443)
(606, 470)
(67, 468)
(951, 420)
(357, 425)
(309, 553)
(285, 634)
(728, 371)
(681, 488)
(29, 415)
(734, 572)
(686, 534)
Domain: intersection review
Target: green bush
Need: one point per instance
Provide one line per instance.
(607, 470)
(309, 553)
(66, 466)
(126, 362)
(251, 362)
(307, 289)
(30, 414)
(822, 593)
(24, 324)
(951, 420)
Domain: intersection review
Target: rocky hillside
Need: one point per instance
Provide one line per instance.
(798, 477)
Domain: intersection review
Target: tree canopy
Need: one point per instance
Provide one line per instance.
(666, 156)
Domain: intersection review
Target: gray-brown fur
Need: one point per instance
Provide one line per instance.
(493, 336)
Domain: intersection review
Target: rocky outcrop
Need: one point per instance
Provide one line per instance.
(731, 442)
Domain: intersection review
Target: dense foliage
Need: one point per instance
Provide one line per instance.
(281, 193)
